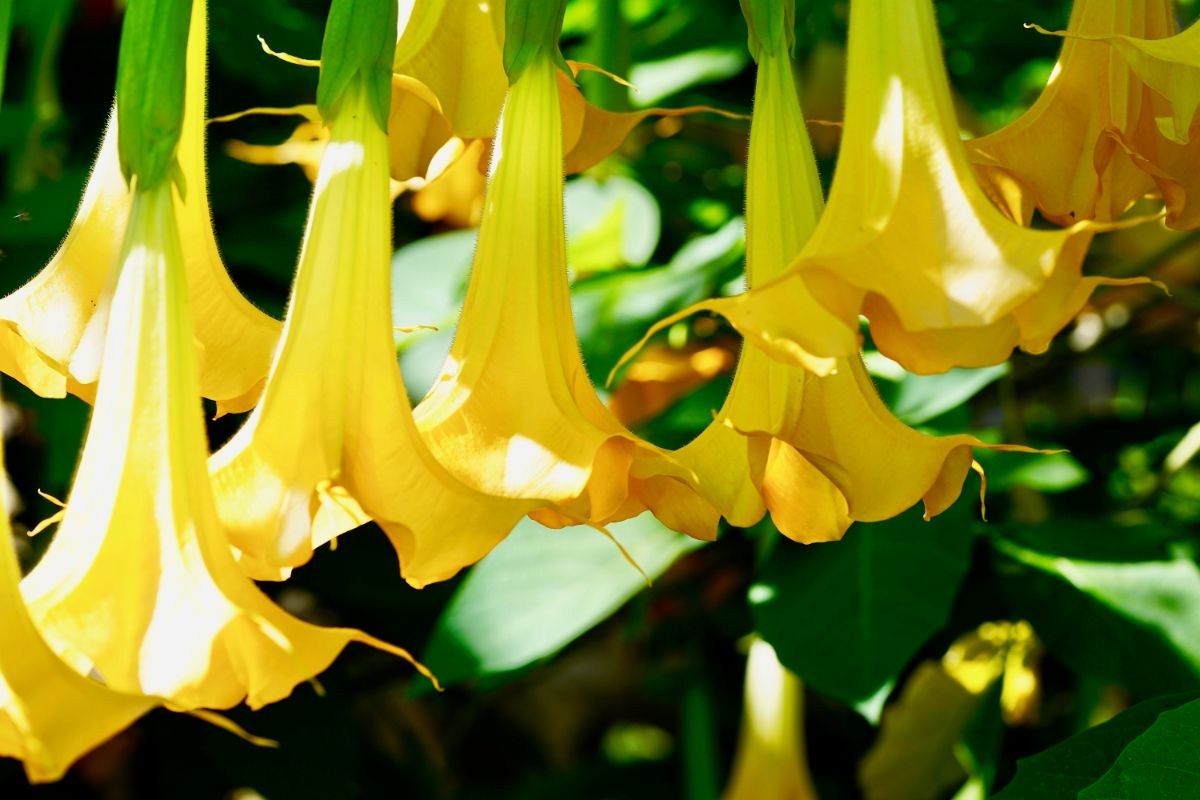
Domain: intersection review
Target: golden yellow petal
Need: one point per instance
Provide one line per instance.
(1059, 150)
(1167, 147)
(60, 315)
(454, 48)
(770, 763)
(591, 133)
(455, 196)
(333, 443)
(815, 447)
(909, 237)
(513, 413)
(139, 582)
(50, 715)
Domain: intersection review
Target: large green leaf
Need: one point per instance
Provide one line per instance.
(658, 80)
(848, 616)
(541, 589)
(1044, 472)
(1161, 764)
(611, 224)
(1071, 766)
(919, 398)
(1131, 621)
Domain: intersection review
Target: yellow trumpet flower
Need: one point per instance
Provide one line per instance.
(771, 763)
(50, 715)
(450, 82)
(909, 238)
(1168, 149)
(333, 443)
(816, 451)
(139, 583)
(1064, 154)
(513, 413)
(52, 329)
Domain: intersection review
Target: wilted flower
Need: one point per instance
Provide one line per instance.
(770, 762)
(50, 715)
(139, 583)
(817, 451)
(513, 413)
(1065, 155)
(52, 329)
(333, 444)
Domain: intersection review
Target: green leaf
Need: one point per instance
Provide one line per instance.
(919, 398)
(541, 589)
(360, 39)
(848, 616)
(1071, 766)
(611, 224)
(657, 80)
(429, 279)
(6, 7)
(151, 72)
(1129, 622)
(1163, 763)
(1049, 473)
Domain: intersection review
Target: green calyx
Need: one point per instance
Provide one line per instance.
(772, 26)
(360, 39)
(531, 30)
(151, 72)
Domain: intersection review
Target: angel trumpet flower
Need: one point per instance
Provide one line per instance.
(770, 762)
(1168, 149)
(816, 451)
(909, 238)
(139, 583)
(333, 443)
(52, 329)
(1069, 154)
(513, 413)
(449, 82)
(50, 715)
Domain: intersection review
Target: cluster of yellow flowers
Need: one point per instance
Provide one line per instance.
(146, 597)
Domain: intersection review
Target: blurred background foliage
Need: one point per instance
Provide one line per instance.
(566, 675)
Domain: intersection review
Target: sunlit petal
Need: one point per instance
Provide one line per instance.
(52, 329)
(139, 583)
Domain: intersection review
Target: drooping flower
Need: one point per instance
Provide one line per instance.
(50, 715)
(448, 87)
(817, 451)
(139, 583)
(1169, 149)
(909, 238)
(771, 763)
(332, 444)
(1067, 154)
(52, 329)
(513, 413)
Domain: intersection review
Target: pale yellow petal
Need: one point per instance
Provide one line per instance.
(333, 443)
(513, 413)
(139, 583)
(59, 314)
(50, 715)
